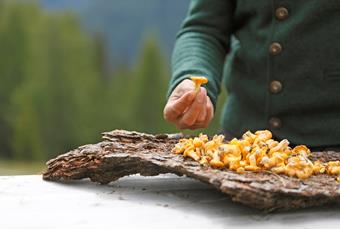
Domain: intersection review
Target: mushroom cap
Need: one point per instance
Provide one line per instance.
(199, 80)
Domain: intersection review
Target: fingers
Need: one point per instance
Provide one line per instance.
(210, 112)
(203, 113)
(188, 110)
(209, 116)
(184, 87)
(176, 107)
(198, 106)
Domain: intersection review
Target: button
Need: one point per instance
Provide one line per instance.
(275, 123)
(275, 48)
(281, 13)
(275, 87)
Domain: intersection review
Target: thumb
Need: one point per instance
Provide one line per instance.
(176, 107)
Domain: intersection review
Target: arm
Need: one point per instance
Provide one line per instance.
(202, 43)
(200, 49)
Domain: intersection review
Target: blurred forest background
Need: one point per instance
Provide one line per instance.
(71, 69)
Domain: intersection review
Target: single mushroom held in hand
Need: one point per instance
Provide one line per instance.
(198, 82)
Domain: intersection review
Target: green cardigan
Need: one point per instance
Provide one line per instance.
(284, 72)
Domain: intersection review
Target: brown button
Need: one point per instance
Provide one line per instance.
(275, 123)
(281, 13)
(275, 48)
(275, 87)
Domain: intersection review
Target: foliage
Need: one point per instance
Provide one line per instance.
(15, 167)
(56, 91)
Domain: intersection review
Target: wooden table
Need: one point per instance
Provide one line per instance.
(162, 201)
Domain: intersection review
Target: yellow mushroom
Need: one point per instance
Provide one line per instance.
(181, 146)
(240, 170)
(216, 160)
(252, 168)
(198, 80)
(333, 167)
(271, 143)
(319, 167)
(280, 147)
(229, 149)
(190, 152)
(279, 169)
(234, 164)
(205, 160)
(197, 142)
(249, 136)
(263, 135)
(210, 146)
(255, 152)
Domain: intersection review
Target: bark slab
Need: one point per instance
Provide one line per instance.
(123, 153)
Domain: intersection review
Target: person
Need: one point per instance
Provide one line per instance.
(283, 70)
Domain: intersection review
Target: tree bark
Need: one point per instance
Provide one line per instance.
(125, 153)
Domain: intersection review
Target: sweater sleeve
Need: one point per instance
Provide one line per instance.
(202, 44)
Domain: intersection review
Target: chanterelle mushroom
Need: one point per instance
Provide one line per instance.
(198, 82)
(255, 152)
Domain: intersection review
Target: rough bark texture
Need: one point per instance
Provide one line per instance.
(124, 153)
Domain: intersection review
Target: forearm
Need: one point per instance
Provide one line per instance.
(198, 54)
(202, 44)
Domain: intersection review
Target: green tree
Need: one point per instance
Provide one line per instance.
(51, 82)
(57, 91)
(150, 82)
(12, 49)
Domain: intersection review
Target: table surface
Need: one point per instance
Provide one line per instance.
(136, 201)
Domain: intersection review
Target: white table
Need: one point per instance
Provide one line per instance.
(162, 201)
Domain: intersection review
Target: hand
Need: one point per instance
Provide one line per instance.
(186, 109)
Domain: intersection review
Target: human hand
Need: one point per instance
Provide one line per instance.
(188, 110)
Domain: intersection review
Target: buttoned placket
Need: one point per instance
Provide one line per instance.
(276, 48)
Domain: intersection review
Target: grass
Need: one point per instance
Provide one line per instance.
(10, 167)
